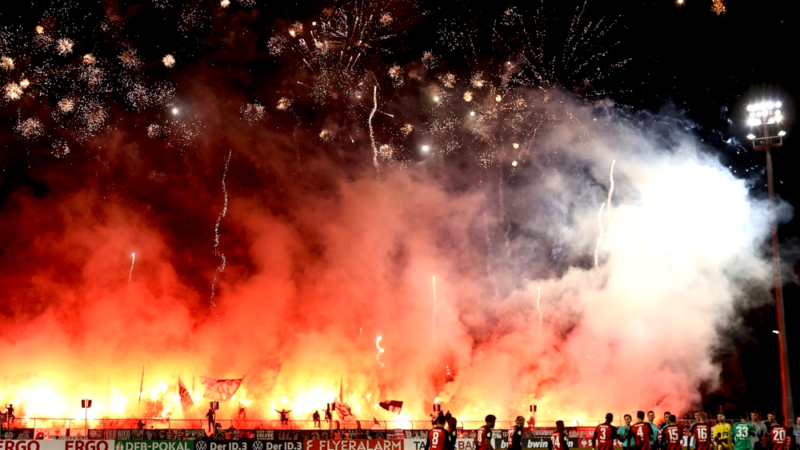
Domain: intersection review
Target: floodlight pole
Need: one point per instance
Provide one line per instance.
(786, 382)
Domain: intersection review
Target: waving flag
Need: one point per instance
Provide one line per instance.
(220, 390)
(392, 406)
(186, 397)
(344, 412)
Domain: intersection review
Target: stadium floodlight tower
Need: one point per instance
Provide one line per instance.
(765, 120)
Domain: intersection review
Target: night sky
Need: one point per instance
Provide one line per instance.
(139, 149)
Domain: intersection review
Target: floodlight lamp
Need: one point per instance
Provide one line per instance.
(751, 136)
(781, 133)
(753, 121)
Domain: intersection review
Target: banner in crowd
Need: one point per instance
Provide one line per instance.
(163, 434)
(247, 445)
(419, 444)
(72, 444)
(354, 444)
(538, 438)
(17, 433)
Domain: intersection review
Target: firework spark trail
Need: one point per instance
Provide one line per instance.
(130, 274)
(380, 350)
(372, 132)
(611, 186)
(539, 306)
(223, 260)
(434, 304)
(599, 237)
(607, 206)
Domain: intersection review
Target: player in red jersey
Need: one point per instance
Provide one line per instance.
(604, 434)
(641, 433)
(673, 435)
(558, 440)
(701, 432)
(778, 434)
(438, 436)
(483, 439)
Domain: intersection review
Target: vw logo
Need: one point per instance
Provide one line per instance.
(200, 445)
(257, 445)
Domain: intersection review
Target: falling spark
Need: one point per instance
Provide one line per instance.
(372, 132)
(718, 6)
(6, 63)
(600, 236)
(380, 350)
(130, 274)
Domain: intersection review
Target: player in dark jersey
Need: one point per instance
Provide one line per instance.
(438, 436)
(604, 434)
(777, 435)
(452, 429)
(515, 434)
(642, 433)
(483, 439)
(673, 435)
(558, 440)
(701, 432)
